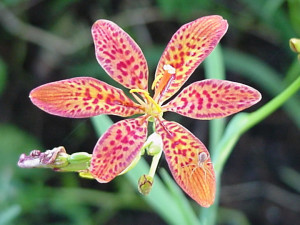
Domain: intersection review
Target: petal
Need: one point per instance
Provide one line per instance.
(119, 55)
(117, 147)
(210, 99)
(82, 97)
(182, 150)
(188, 47)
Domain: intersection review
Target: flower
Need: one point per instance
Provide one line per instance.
(123, 60)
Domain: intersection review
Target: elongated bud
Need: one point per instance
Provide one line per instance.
(145, 184)
(47, 159)
(295, 45)
(58, 160)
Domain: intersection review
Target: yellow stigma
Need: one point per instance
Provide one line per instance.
(151, 106)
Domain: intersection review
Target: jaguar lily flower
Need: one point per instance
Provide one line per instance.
(123, 60)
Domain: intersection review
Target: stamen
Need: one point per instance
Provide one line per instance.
(167, 68)
(138, 99)
(147, 96)
(139, 91)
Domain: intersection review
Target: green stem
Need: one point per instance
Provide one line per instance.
(237, 126)
(156, 157)
(154, 164)
(244, 121)
(274, 104)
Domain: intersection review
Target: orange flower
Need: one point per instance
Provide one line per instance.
(123, 60)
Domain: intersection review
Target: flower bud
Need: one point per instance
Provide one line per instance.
(295, 45)
(56, 157)
(155, 144)
(145, 184)
(58, 160)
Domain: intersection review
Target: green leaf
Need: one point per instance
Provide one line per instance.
(14, 142)
(290, 177)
(101, 123)
(214, 68)
(271, 6)
(180, 198)
(3, 75)
(9, 214)
(294, 9)
(232, 216)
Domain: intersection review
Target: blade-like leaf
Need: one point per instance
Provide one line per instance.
(179, 197)
(211, 98)
(82, 97)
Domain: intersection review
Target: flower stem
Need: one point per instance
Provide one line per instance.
(257, 116)
(244, 121)
(236, 127)
(154, 164)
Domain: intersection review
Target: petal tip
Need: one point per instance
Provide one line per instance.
(99, 22)
(259, 96)
(34, 96)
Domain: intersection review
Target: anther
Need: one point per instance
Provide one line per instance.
(167, 68)
(170, 69)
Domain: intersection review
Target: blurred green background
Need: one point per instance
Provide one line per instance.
(43, 41)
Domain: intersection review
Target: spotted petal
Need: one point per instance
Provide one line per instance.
(82, 97)
(119, 55)
(182, 150)
(116, 149)
(188, 47)
(210, 99)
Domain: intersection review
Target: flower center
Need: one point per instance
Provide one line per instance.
(150, 106)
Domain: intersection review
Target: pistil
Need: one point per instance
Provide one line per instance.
(164, 81)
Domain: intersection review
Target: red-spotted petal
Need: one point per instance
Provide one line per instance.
(82, 97)
(119, 55)
(210, 99)
(188, 47)
(189, 162)
(116, 149)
